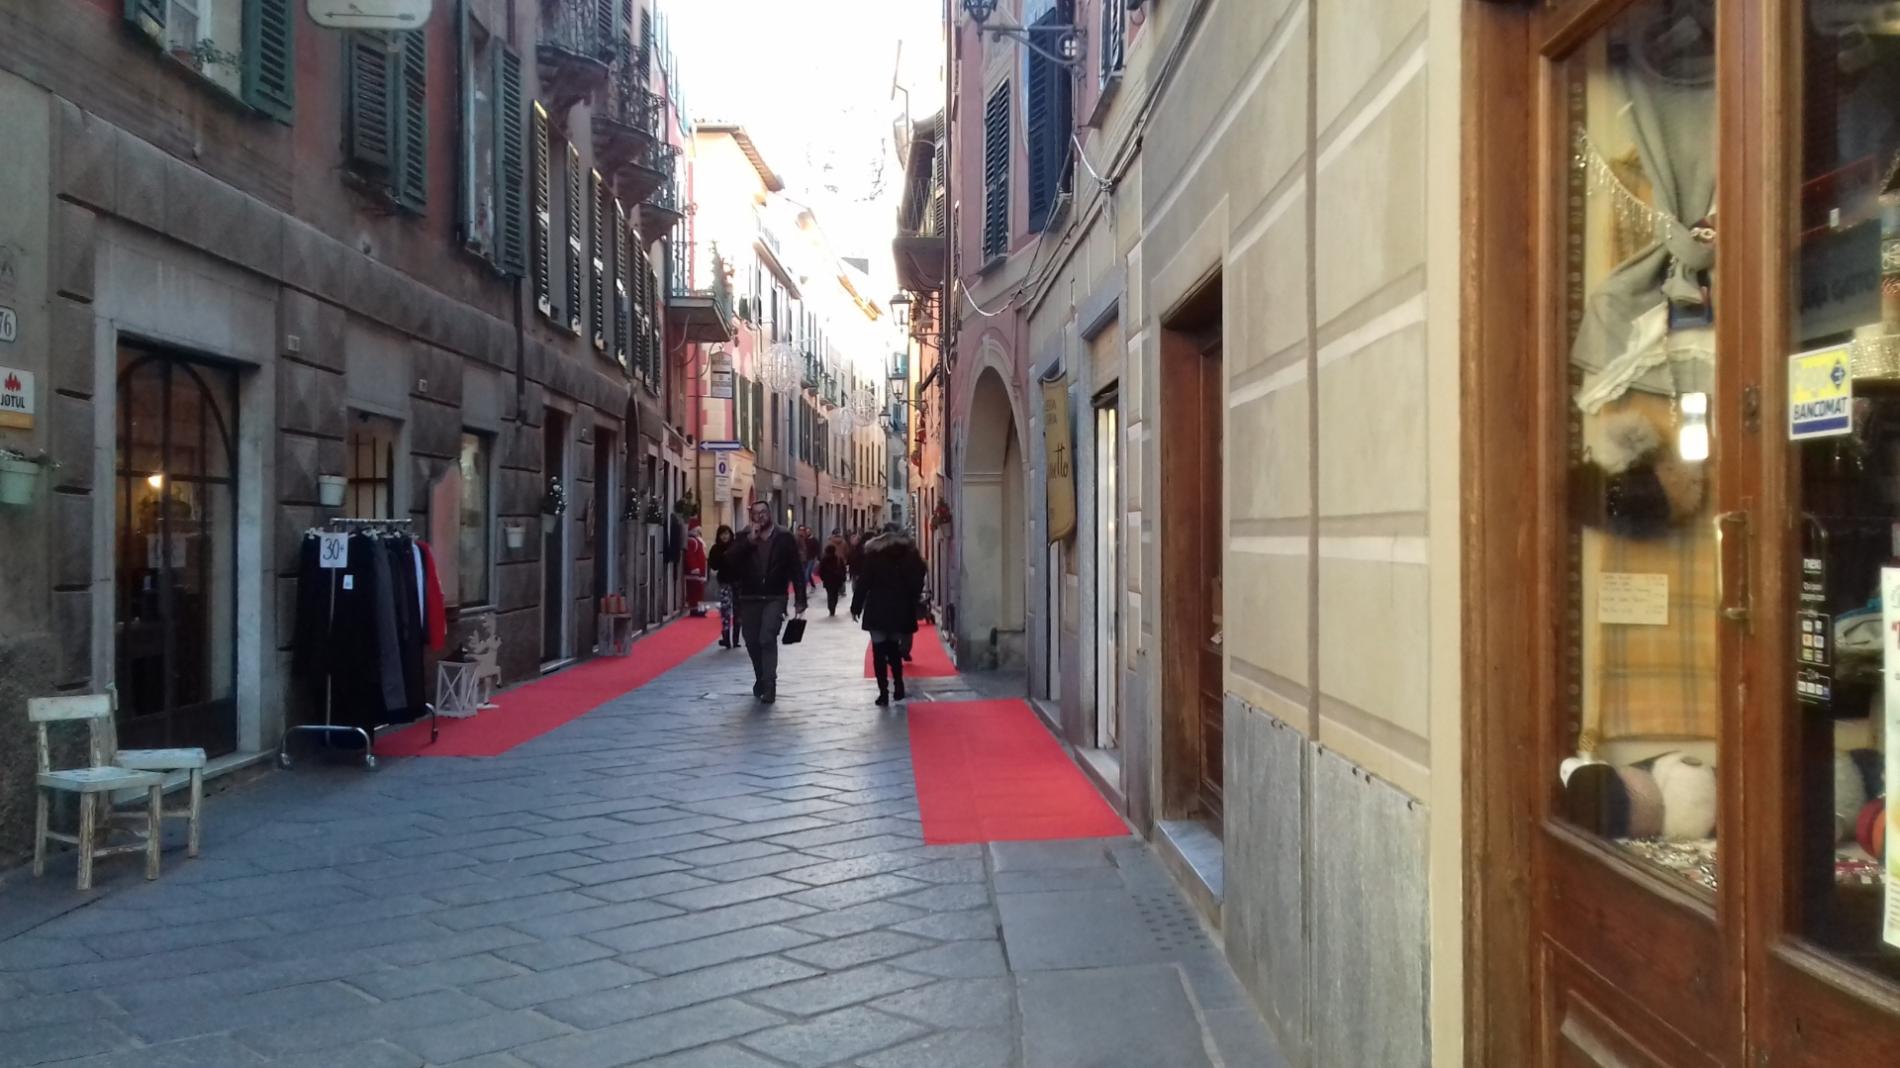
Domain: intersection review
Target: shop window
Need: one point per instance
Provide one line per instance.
(1844, 388)
(243, 47)
(1641, 659)
(493, 204)
(371, 473)
(386, 112)
(474, 539)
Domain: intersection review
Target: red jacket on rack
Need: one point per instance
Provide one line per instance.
(435, 620)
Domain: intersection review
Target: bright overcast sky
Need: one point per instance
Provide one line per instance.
(811, 80)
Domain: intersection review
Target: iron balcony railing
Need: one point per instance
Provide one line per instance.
(666, 197)
(586, 29)
(715, 287)
(631, 105)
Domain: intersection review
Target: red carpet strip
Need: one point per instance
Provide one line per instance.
(929, 659)
(533, 709)
(989, 771)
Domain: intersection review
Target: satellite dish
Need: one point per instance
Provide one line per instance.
(369, 14)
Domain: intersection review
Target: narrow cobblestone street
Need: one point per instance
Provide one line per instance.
(680, 879)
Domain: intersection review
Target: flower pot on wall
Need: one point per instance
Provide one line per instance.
(17, 477)
(516, 536)
(330, 490)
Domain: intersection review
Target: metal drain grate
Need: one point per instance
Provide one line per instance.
(1169, 921)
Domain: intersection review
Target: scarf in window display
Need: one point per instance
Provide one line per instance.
(1662, 72)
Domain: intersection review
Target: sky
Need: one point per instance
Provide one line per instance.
(811, 80)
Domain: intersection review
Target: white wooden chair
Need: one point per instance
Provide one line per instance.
(164, 761)
(93, 784)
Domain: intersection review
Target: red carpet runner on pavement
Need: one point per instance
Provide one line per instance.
(929, 659)
(989, 771)
(531, 710)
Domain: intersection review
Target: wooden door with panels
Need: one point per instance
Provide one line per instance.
(1686, 579)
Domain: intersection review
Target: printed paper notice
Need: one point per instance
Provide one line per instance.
(1890, 670)
(1820, 394)
(1633, 600)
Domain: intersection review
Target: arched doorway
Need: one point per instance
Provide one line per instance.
(990, 628)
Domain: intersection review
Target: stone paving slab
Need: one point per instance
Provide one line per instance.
(679, 879)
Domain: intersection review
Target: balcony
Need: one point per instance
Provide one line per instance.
(662, 209)
(701, 313)
(628, 124)
(580, 42)
(920, 247)
(647, 172)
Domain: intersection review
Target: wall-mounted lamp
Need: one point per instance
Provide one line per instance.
(1071, 45)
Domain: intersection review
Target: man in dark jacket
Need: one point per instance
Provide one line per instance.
(890, 580)
(764, 563)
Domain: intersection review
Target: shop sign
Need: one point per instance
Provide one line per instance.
(721, 384)
(1820, 394)
(369, 14)
(1840, 280)
(1813, 655)
(1890, 613)
(1059, 451)
(16, 398)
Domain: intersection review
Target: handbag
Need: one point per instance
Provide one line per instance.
(794, 631)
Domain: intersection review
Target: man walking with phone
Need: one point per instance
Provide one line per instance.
(764, 565)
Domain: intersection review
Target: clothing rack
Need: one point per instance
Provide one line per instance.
(329, 728)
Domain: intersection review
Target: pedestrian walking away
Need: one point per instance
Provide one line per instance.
(764, 566)
(716, 564)
(831, 573)
(890, 583)
(808, 555)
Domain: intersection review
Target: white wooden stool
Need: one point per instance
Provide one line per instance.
(91, 784)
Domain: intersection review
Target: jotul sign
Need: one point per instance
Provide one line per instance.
(16, 398)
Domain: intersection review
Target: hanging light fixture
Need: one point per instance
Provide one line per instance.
(1071, 45)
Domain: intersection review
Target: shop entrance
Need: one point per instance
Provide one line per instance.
(176, 550)
(1107, 571)
(1193, 411)
(1681, 534)
(554, 541)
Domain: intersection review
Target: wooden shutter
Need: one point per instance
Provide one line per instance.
(646, 47)
(369, 121)
(1045, 93)
(576, 210)
(542, 194)
(939, 194)
(597, 250)
(623, 304)
(511, 238)
(996, 173)
(270, 82)
(606, 20)
(411, 178)
(147, 17)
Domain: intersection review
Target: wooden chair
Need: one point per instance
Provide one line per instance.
(91, 784)
(164, 761)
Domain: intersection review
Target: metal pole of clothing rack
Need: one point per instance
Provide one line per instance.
(328, 728)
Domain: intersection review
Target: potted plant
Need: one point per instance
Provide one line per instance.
(687, 507)
(330, 490)
(18, 473)
(652, 513)
(553, 503)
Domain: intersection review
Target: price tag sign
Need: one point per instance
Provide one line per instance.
(333, 550)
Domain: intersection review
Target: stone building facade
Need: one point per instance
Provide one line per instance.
(222, 242)
(1203, 296)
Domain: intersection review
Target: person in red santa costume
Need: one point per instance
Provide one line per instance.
(694, 565)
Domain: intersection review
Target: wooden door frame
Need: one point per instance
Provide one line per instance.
(1179, 624)
(1511, 588)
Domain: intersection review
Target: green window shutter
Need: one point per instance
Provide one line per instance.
(368, 118)
(597, 260)
(606, 20)
(623, 307)
(576, 211)
(996, 173)
(147, 17)
(412, 174)
(542, 191)
(270, 80)
(511, 224)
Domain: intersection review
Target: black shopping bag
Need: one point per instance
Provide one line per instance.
(794, 631)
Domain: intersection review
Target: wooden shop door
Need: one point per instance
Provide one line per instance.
(1685, 560)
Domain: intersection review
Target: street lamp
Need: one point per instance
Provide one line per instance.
(1070, 42)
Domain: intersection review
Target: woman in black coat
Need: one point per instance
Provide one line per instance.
(831, 574)
(716, 562)
(890, 581)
